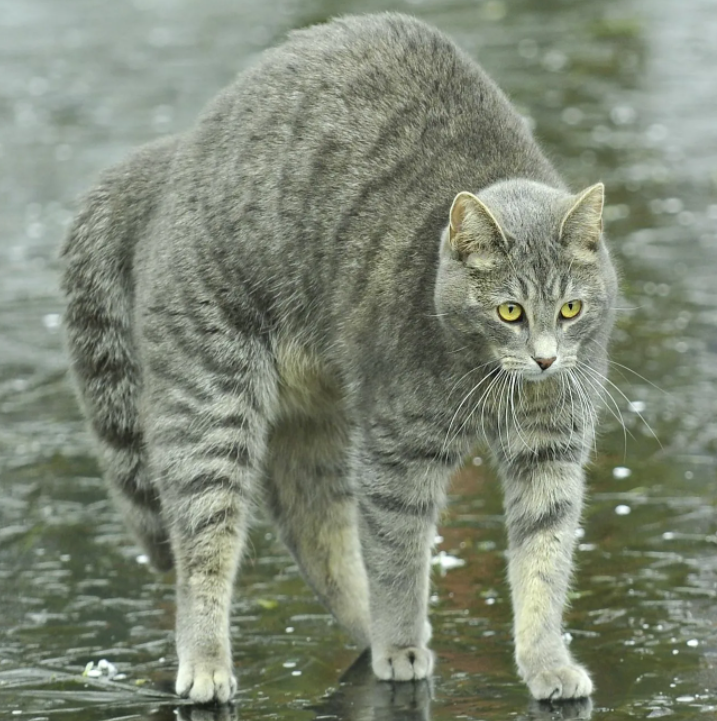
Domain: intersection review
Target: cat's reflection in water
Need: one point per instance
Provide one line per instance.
(575, 708)
(361, 697)
(207, 713)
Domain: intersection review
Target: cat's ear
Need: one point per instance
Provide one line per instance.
(582, 225)
(474, 233)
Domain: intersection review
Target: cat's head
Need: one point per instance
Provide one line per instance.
(525, 272)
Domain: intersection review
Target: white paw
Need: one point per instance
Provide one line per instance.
(560, 682)
(402, 664)
(206, 681)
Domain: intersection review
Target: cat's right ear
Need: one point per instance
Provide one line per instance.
(581, 227)
(474, 234)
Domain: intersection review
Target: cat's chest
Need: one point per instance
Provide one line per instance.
(498, 403)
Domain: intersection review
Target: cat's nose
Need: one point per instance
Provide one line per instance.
(545, 363)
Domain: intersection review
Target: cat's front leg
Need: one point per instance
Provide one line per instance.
(400, 491)
(543, 501)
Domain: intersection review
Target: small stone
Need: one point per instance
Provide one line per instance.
(446, 562)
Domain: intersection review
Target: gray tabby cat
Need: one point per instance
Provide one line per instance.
(356, 264)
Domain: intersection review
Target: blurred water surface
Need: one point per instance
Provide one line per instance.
(621, 91)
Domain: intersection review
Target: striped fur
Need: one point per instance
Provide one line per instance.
(284, 306)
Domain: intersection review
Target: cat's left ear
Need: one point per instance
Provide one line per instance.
(582, 225)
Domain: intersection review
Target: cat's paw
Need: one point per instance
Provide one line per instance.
(410, 663)
(569, 681)
(206, 681)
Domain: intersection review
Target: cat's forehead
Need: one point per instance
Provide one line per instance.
(548, 275)
(540, 282)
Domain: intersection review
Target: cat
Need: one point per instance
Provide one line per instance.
(354, 267)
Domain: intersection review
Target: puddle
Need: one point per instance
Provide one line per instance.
(621, 92)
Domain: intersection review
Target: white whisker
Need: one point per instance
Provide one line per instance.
(449, 439)
(602, 393)
(483, 405)
(641, 377)
(604, 379)
(516, 385)
(587, 408)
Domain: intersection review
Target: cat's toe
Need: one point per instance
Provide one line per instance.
(561, 682)
(409, 663)
(206, 682)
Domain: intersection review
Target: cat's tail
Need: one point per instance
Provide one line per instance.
(97, 280)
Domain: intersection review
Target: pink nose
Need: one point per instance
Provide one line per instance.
(545, 363)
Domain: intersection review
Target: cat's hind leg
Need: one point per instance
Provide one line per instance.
(401, 474)
(309, 497)
(210, 390)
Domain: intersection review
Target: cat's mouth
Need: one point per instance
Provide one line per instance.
(537, 374)
(534, 369)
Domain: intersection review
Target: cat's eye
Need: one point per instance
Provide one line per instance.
(571, 309)
(510, 312)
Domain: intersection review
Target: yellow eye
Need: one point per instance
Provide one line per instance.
(510, 312)
(571, 309)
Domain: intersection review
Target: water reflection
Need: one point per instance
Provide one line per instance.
(570, 709)
(197, 713)
(360, 697)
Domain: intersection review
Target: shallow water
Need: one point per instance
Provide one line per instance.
(621, 91)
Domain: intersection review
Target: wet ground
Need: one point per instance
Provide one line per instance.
(621, 91)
